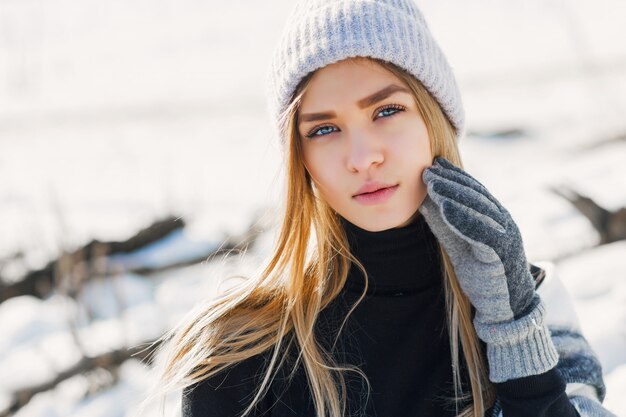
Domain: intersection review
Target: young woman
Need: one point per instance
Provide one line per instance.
(398, 285)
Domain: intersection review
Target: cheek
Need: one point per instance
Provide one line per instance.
(412, 156)
(425, 156)
(323, 170)
(410, 136)
(414, 151)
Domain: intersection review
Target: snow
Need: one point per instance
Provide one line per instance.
(175, 247)
(114, 115)
(597, 282)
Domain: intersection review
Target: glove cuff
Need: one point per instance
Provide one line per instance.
(518, 348)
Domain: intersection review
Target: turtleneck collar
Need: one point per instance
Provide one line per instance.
(397, 260)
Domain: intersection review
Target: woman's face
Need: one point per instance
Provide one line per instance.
(359, 125)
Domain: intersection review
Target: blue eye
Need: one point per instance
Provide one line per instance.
(313, 132)
(396, 108)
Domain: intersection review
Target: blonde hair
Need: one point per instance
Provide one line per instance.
(306, 271)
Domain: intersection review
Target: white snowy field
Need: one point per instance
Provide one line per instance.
(115, 114)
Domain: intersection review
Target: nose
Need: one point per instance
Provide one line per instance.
(364, 151)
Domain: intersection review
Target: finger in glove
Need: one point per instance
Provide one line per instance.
(447, 169)
(465, 196)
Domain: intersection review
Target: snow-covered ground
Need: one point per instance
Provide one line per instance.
(115, 114)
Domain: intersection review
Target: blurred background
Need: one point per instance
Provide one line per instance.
(138, 170)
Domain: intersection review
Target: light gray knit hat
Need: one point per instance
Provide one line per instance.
(321, 32)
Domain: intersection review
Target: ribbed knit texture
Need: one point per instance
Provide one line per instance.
(397, 336)
(518, 348)
(321, 32)
(402, 259)
(485, 246)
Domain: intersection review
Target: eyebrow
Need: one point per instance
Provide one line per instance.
(363, 103)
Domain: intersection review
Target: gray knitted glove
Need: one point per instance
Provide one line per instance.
(486, 250)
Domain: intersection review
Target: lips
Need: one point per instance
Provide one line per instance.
(372, 186)
(372, 192)
(376, 197)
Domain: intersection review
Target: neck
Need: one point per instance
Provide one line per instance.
(401, 259)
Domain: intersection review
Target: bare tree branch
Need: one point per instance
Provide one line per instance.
(109, 361)
(610, 225)
(40, 283)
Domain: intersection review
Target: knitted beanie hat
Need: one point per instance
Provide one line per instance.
(321, 32)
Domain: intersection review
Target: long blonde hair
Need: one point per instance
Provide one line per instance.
(310, 260)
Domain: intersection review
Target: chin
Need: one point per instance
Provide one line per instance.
(379, 224)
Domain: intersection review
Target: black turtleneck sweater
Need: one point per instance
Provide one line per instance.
(397, 336)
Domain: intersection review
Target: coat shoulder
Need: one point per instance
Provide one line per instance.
(560, 309)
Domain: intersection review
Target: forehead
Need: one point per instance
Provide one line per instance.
(345, 82)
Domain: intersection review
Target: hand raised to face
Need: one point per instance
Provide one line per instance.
(482, 241)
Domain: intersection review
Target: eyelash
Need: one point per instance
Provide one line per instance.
(397, 107)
